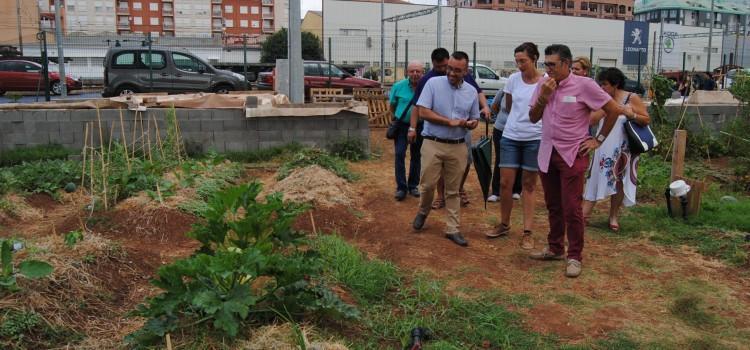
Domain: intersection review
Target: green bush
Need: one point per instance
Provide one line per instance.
(265, 154)
(30, 154)
(43, 176)
(350, 149)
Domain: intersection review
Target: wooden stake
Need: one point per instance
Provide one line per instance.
(101, 146)
(85, 150)
(124, 140)
(135, 127)
(91, 162)
(312, 220)
(169, 341)
(158, 138)
(148, 133)
(143, 137)
(678, 155)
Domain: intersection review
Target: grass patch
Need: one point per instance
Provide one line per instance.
(691, 310)
(416, 300)
(30, 154)
(312, 156)
(715, 232)
(264, 155)
(349, 148)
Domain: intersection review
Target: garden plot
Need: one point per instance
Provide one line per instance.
(657, 284)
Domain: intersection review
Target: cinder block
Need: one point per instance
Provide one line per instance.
(251, 123)
(308, 123)
(230, 135)
(269, 135)
(346, 124)
(158, 113)
(335, 135)
(228, 114)
(190, 126)
(363, 135)
(58, 116)
(11, 115)
(235, 146)
(83, 115)
(196, 114)
(34, 115)
(204, 138)
(240, 124)
(63, 139)
(72, 127)
(288, 135)
(45, 126)
(211, 125)
(270, 144)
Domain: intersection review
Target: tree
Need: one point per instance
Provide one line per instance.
(275, 47)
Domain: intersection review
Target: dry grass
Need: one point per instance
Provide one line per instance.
(314, 184)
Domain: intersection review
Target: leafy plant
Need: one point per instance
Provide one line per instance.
(29, 154)
(349, 148)
(28, 268)
(73, 237)
(740, 88)
(311, 156)
(44, 176)
(248, 265)
(661, 87)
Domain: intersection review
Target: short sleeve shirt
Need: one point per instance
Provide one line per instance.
(451, 102)
(519, 127)
(401, 96)
(431, 74)
(566, 117)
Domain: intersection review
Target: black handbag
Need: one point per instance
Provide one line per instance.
(640, 138)
(395, 125)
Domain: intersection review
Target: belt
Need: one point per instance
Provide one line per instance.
(437, 139)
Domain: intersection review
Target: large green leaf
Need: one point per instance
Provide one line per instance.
(34, 268)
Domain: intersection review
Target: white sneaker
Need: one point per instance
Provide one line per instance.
(492, 198)
(516, 196)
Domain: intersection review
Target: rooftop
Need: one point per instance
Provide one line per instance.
(741, 7)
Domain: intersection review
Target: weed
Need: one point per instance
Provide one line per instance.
(194, 207)
(349, 148)
(368, 279)
(18, 323)
(691, 310)
(21, 329)
(310, 156)
(37, 177)
(73, 237)
(28, 268)
(31, 154)
(265, 154)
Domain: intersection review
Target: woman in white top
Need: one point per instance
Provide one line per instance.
(519, 144)
(614, 169)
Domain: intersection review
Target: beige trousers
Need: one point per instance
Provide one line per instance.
(448, 160)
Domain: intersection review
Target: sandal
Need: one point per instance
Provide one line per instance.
(527, 240)
(438, 204)
(464, 199)
(500, 230)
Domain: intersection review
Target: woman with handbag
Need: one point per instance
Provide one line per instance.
(614, 168)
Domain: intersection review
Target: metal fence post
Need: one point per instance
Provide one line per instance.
(244, 60)
(42, 37)
(330, 61)
(406, 56)
(150, 64)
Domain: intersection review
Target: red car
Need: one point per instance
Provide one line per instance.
(21, 75)
(316, 76)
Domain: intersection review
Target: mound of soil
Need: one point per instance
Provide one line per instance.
(316, 185)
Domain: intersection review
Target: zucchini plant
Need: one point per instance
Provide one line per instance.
(27, 268)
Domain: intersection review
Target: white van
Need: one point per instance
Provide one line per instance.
(488, 79)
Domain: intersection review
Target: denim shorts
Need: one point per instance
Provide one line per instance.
(519, 154)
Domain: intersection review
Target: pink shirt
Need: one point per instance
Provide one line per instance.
(566, 117)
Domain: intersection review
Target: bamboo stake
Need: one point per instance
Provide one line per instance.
(91, 164)
(148, 130)
(312, 220)
(158, 138)
(85, 143)
(124, 140)
(178, 136)
(135, 127)
(101, 146)
(143, 137)
(169, 341)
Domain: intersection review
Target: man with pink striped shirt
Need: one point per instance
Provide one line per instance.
(564, 101)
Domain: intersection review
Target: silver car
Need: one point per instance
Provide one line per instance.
(138, 69)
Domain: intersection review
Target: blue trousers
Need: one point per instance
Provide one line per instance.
(401, 143)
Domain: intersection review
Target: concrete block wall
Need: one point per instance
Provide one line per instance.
(206, 129)
(713, 118)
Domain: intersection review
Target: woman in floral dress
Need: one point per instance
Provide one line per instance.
(614, 169)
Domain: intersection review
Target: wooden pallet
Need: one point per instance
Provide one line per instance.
(325, 94)
(379, 113)
(363, 94)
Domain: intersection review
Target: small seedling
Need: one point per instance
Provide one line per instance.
(73, 237)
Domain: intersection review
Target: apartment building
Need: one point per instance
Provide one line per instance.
(729, 14)
(194, 18)
(608, 9)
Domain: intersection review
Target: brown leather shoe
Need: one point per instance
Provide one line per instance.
(499, 231)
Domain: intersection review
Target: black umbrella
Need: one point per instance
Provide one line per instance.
(481, 152)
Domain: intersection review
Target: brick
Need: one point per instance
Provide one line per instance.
(34, 115)
(210, 125)
(58, 116)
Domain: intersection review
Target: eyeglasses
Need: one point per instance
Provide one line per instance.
(550, 64)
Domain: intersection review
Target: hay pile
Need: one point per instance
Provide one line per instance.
(316, 185)
(281, 337)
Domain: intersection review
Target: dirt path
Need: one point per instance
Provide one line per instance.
(627, 285)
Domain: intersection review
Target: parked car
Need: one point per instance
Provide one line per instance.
(22, 75)
(126, 70)
(488, 79)
(317, 76)
(634, 87)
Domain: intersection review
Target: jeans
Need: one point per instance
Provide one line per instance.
(496, 136)
(400, 143)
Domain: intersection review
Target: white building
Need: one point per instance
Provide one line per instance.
(354, 28)
(193, 18)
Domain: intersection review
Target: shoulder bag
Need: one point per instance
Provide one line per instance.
(640, 138)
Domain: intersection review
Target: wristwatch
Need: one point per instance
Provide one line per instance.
(600, 138)
(412, 129)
